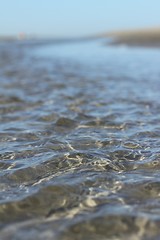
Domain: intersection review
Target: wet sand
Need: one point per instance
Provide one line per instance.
(142, 37)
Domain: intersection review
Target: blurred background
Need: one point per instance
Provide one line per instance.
(51, 18)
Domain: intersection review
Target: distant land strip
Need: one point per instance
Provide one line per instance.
(141, 37)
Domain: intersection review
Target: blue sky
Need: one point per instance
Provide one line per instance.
(63, 18)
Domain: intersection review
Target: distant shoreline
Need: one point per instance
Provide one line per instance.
(134, 38)
(142, 38)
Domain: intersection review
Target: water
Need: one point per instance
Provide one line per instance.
(79, 137)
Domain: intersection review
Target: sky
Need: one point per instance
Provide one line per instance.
(73, 18)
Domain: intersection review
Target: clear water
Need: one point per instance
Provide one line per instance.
(80, 138)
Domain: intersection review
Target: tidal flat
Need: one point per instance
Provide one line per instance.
(134, 38)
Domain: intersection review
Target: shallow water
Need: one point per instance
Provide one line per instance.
(80, 138)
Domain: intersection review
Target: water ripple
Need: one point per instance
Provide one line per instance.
(79, 142)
